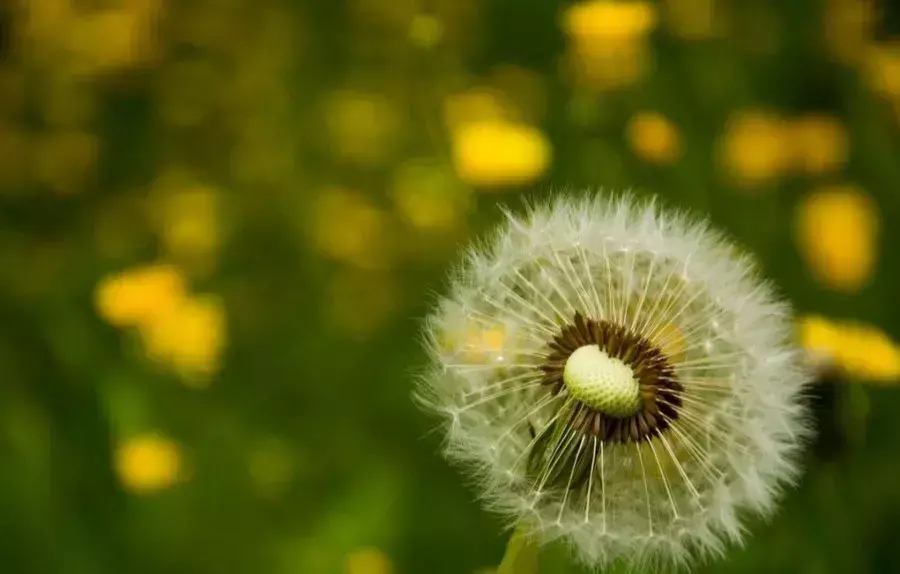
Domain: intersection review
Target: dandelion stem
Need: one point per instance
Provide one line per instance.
(521, 554)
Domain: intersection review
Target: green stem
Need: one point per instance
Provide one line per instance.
(521, 554)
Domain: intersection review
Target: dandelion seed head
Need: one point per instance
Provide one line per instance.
(618, 376)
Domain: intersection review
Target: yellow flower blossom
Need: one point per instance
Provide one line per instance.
(818, 335)
(498, 153)
(190, 338)
(189, 226)
(99, 41)
(368, 561)
(597, 21)
(819, 144)
(654, 138)
(608, 42)
(139, 296)
(483, 344)
(425, 30)
(477, 342)
(754, 148)
(148, 463)
(869, 353)
(857, 349)
(882, 66)
(48, 20)
(836, 231)
(849, 25)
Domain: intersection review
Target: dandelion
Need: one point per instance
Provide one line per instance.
(645, 394)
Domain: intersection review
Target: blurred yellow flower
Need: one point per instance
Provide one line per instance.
(139, 296)
(47, 21)
(869, 353)
(346, 226)
(859, 350)
(498, 153)
(819, 335)
(106, 40)
(482, 344)
(882, 66)
(608, 42)
(819, 144)
(754, 148)
(598, 21)
(653, 138)
(368, 561)
(425, 30)
(849, 26)
(836, 231)
(478, 342)
(619, 66)
(362, 128)
(190, 338)
(189, 226)
(148, 463)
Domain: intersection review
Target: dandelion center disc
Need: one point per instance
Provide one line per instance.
(602, 382)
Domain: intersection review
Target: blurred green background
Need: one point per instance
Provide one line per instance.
(222, 220)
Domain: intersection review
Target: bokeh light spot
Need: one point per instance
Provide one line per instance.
(148, 463)
(837, 229)
(368, 561)
(498, 153)
(140, 295)
(654, 138)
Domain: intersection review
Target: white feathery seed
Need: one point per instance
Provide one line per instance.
(725, 444)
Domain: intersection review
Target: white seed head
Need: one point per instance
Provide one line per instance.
(619, 377)
(604, 383)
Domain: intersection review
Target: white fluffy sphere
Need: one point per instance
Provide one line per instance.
(720, 418)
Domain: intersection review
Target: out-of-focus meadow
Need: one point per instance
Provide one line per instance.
(221, 222)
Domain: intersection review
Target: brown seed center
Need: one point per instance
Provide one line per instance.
(659, 390)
